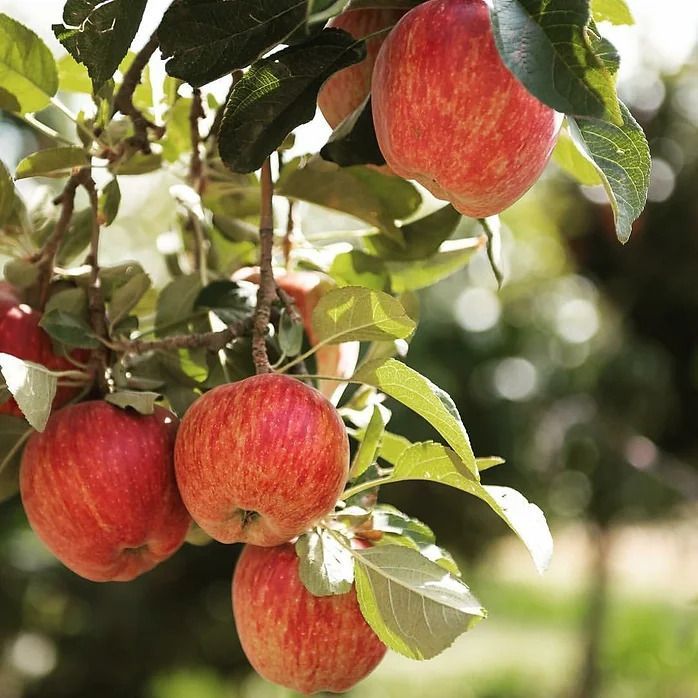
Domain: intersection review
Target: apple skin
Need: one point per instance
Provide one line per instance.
(451, 116)
(344, 92)
(98, 488)
(261, 460)
(307, 288)
(21, 336)
(303, 642)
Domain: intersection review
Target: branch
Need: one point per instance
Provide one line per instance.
(267, 286)
(287, 243)
(289, 304)
(123, 100)
(195, 164)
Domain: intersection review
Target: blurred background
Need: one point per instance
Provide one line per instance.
(582, 372)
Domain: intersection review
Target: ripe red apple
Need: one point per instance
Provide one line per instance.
(304, 642)
(261, 460)
(344, 92)
(21, 336)
(307, 288)
(451, 116)
(99, 489)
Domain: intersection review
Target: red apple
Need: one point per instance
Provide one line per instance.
(261, 460)
(21, 336)
(307, 288)
(451, 116)
(344, 92)
(99, 489)
(304, 642)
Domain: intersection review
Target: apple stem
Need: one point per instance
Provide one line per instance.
(267, 285)
(490, 252)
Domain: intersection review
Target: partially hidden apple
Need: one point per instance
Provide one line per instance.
(344, 92)
(261, 460)
(307, 288)
(21, 336)
(303, 642)
(451, 116)
(99, 489)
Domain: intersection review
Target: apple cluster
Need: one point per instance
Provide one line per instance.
(441, 97)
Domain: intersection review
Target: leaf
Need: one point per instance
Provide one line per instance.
(69, 329)
(229, 301)
(72, 76)
(21, 273)
(141, 401)
(354, 141)
(353, 313)
(290, 335)
(370, 443)
(326, 567)
(52, 162)
(279, 93)
(546, 46)
(109, 201)
(622, 156)
(137, 163)
(205, 40)
(27, 69)
(356, 268)
(98, 34)
(71, 300)
(32, 386)
(7, 194)
(613, 11)
(572, 160)
(423, 397)
(176, 303)
(8, 102)
(414, 606)
(126, 296)
(436, 463)
(376, 198)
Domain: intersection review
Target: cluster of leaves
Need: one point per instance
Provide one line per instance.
(409, 590)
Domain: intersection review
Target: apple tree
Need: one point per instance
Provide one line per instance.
(246, 398)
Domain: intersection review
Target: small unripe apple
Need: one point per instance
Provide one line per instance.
(304, 642)
(451, 116)
(21, 336)
(261, 460)
(306, 288)
(98, 488)
(345, 91)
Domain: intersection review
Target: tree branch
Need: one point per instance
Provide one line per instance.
(267, 285)
(123, 100)
(195, 164)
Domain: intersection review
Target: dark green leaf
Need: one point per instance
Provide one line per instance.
(27, 69)
(622, 157)
(52, 162)
(72, 301)
(98, 34)
(290, 335)
(546, 44)
(69, 329)
(279, 93)
(176, 303)
(142, 402)
(8, 102)
(325, 566)
(205, 40)
(109, 201)
(229, 301)
(125, 296)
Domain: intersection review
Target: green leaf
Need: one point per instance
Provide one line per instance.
(545, 43)
(353, 313)
(7, 194)
(423, 397)
(137, 163)
(279, 93)
(32, 386)
(573, 161)
(13, 435)
(354, 141)
(370, 443)
(52, 162)
(422, 238)
(98, 34)
(176, 303)
(77, 238)
(392, 447)
(290, 335)
(141, 401)
(177, 138)
(622, 156)
(414, 606)
(21, 272)
(109, 201)
(69, 329)
(205, 40)
(326, 567)
(436, 463)
(376, 198)
(613, 11)
(8, 102)
(72, 301)
(72, 76)
(27, 69)
(126, 296)
(356, 268)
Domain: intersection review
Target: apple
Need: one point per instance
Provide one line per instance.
(345, 91)
(307, 288)
(451, 116)
(303, 642)
(21, 336)
(261, 460)
(98, 488)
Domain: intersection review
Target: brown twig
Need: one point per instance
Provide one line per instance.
(289, 304)
(287, 242)
(123, 100)
(196, 168)
(267, 284)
